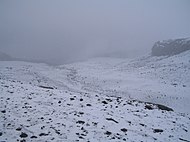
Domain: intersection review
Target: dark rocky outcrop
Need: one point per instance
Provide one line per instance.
(171, 47)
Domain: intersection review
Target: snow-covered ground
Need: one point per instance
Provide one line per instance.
(101, 99)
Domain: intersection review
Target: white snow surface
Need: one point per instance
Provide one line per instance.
(103, 99)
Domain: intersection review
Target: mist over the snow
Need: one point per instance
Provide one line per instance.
(58, 31)
(94, 70)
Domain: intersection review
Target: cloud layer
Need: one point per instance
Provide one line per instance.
(59, 30)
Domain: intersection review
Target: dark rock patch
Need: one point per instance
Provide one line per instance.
(162, 107)
(72, 99)
(108, 133)
(158, 131)
(80, 122)
(170, 47)
(23, 140)
(149, 107)
(80, 137)
(88, 105)
(111, 119)
(33, 137)
(184, 140)
(3, 111)
(43, 134)
(104, 102)
(18, 129)
(23, 135)
(142, 124)
(46, 87)
(81, 113)
(124, 130)
(109, 100)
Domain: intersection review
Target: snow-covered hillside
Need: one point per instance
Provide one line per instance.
(103, 99)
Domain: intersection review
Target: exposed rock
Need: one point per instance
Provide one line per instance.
(108, 133)
(111, 119)
(46, 87)
(183, 140)
(88, 105)
(43, 134)
(23, 135)
(162, 107)
(158, 131)
(124, 130)
(80, 122)
(149, 107)
(18, 129)
(171, 47)
(104, 102)
(3, 111)
(33, 137)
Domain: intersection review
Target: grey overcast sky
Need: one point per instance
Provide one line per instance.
(59, 29)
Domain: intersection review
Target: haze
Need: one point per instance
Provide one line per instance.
(70, 30)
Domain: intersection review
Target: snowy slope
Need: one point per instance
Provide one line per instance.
(103, 99)
(164, 80)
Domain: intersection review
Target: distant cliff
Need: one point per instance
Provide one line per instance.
(170, 47)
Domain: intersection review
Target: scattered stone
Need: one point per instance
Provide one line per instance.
(111, 119)
(72, 99)
(46, 87)
(3, 111)
(43, 134)
(174, 84)
(109, 100)
(18, 129)
(9, 124)
(23, 135)
(33, 137)
(141, 124)
(149, 107)
(185, 130)
(23, 140)
(81, 113)
(95, 123)
(108, 133)
(124, 130)
(80, 122)
(158, 131)
(183, 140)
(88, 105)
(104, 102)
(80, 137)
